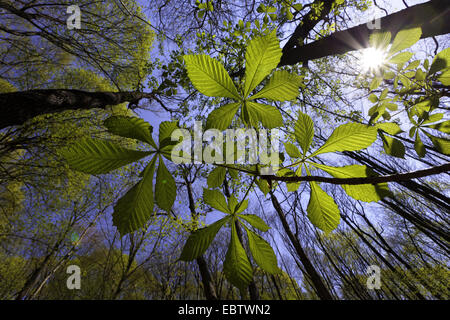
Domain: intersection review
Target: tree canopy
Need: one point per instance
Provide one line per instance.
(273, 149)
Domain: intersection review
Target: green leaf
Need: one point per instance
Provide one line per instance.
(255, 221)
(234, 206)
(263, 186)
(380, 40)
(441, 61)
(282, 86)
(216, 177)
(237, 267)
(135, 208)
(375, 83)
(419, 146)
(200, 240)
(402, 57)
(262, 56)
(292, 186)
(363, 192)
(373, 98)
(97, 156)
(323, 212)
(389, 75)
(165, 188)
(444, 78)
(384, 94)
(405, 39)
(393, 147)
(298, 6)
(165, 132)
(389, 127)
(433, 118)
(233, 173)
(413, 65)
(442, 145)
(269, 116)
(232, 203)
(131, 127)
(304, 131)
(348, 137)
(389, 105)
(210, 77)
(292, 150)
(441, 126)
(222, 117)
(289, 15)
(215, 199)
(262, 252)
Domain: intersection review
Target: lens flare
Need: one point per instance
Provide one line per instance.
(372, 59)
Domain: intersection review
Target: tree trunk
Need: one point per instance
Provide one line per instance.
(18, 107)
(319, 286)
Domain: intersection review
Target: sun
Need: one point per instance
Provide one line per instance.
(372, 59)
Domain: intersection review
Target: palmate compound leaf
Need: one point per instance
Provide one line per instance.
(130, 127)
(135, 208)
(210, 77)
(165, 187)
(322, 211)
(94, 156)
(304, 131)
(363, 192)
(262, 56)
(349, 137)
(282, 86)
(237, 267)
(201, 239)
(262, 252)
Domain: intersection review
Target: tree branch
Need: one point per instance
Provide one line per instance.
(366, 180)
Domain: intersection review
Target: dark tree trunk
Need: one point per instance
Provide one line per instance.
(18, 107)
(319, 286)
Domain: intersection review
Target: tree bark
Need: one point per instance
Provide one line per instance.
(18, 107)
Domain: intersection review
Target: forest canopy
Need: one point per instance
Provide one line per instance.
(262, 150)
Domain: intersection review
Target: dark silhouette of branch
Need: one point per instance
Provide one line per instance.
(366, 180)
